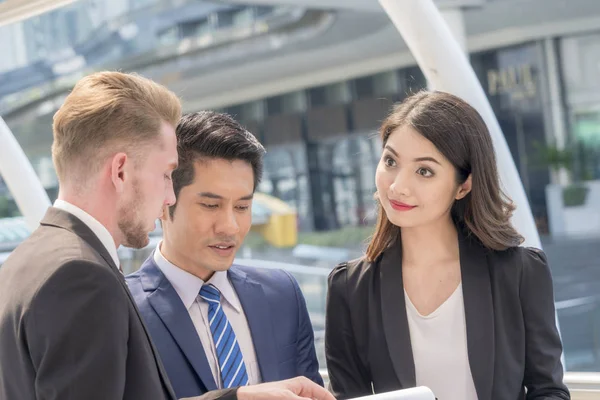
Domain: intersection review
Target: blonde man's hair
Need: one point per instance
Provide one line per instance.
(106, 113)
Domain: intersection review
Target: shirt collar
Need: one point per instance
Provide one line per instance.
(99, 230)
(221, 281)
(188, 285)
(185, 284)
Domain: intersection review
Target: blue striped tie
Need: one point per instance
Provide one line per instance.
(231, 362)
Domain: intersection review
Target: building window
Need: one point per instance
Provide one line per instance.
(364, 88)
(334, 94)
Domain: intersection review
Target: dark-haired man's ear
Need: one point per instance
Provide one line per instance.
(464, 189)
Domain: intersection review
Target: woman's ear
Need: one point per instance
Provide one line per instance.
(464, 189)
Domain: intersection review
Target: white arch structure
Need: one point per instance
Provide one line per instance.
(431, 42)
(20, 178)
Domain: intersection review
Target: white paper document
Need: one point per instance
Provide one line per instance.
(418, 393)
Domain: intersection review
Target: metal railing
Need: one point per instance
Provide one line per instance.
(583, 385)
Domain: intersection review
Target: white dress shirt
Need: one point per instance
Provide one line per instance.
(188, 288)
(99, 230)
(439, 346)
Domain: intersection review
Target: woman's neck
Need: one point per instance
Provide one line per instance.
(429, 245)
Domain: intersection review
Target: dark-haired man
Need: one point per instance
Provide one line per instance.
(216, 325)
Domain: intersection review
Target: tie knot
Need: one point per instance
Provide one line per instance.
(210, 294)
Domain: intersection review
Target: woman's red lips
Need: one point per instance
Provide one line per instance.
(399, 206)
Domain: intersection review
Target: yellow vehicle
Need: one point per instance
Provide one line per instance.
(275, 220)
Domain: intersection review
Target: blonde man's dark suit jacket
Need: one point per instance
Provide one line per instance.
(69, 329)
(513, 345)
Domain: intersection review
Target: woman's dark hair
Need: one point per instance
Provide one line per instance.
(458, 132)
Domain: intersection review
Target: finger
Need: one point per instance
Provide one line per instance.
(313, 391)
(296, 397)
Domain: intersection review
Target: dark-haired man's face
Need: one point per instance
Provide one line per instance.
(212, 218)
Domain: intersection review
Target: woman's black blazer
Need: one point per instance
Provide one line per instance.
(513, 344)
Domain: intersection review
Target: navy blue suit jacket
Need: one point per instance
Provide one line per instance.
(277, 316)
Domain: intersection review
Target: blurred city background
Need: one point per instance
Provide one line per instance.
(313, 80)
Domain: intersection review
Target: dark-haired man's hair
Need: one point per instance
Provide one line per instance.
(207, 135)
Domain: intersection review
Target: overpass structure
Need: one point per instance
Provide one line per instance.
(430, 40)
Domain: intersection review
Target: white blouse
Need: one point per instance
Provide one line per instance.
(439, 346)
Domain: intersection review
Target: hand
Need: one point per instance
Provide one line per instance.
(299, 388)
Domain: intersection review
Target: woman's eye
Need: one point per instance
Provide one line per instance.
(389, 162)
(424, 172)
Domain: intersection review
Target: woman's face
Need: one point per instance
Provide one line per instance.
(416, 184)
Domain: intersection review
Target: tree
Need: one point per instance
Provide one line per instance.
(8, 208)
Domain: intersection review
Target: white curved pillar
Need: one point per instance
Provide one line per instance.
(447, 68)
(456, 23)
(20, 178)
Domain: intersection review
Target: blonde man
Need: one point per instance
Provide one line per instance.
(69, 328)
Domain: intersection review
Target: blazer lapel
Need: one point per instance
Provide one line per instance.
(168, 305)
(161, 368)
(256, 308)
(393, 312)
(65, 220)
(479, 314)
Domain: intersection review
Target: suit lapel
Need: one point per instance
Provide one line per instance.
(168, 306)
(256, 308)
(479, 315)
(65, 220)
(393, 312)
(159, 365)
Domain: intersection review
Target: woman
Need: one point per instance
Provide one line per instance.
(444, 297)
